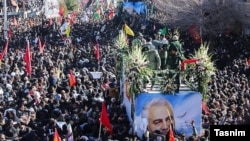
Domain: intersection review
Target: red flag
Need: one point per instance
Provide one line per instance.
(61, 10)
(72, 79)
(4, 50)
(188, 61)
(15, 21)
(97, 52)
(171, 134)
(27, 59)
(9, 33)
(72, 18)
(56, 136)
(104, 119)
(111, 14)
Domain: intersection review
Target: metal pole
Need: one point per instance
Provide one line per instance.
(100, 131)
(5, 26)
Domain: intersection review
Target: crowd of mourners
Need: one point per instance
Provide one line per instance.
(32, 106)
(20, 5)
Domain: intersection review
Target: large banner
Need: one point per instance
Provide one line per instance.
(159, 113)
(52, 8)
(127, 99)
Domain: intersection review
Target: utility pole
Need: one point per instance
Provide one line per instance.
(5, 26)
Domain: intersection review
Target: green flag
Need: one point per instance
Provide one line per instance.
(164, 31)
(96, 15)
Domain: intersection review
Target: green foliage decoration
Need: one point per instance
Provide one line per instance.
(132, 61)
(197, 76)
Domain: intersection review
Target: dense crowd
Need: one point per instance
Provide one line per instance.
(20, 5)
(31, 107)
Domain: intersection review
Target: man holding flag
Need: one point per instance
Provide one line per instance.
(27, 59)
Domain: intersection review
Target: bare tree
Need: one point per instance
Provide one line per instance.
(211, 16)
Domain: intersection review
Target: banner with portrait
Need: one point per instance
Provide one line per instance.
(157, 112)
(127, 99)
(51, 8)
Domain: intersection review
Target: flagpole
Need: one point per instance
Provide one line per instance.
(28, 45)
(100, 129)
(5, 19)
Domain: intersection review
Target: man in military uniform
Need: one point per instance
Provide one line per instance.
(153, 58)
(139, 40)
(174, 59)
(163, 52)
(149, 43)
(175, 43)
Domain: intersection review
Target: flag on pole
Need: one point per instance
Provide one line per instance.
(97, 51)
(111, 14)
(67, 32)
(72, 79)
(97, 14)
(164, 31)
(9, 33)
(104, 119)
(72, 18)
(56, 136)
(61, 10)
(4, 50)
(188, 61)
(128, 30)
(27, 59)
